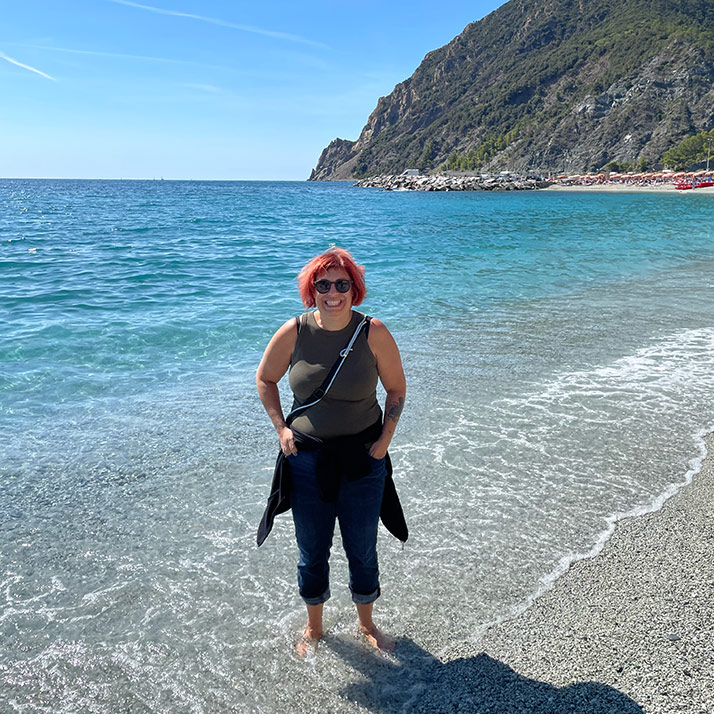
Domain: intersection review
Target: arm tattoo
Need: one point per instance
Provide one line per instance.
(395, 410)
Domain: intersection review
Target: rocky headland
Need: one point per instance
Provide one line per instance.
(545, 86)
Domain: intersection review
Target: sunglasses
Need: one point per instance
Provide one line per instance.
(342, 286)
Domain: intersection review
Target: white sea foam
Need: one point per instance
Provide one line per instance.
(549, 580)
(652, 396)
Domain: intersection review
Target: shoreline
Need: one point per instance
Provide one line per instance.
(628, 630)
(628, 188)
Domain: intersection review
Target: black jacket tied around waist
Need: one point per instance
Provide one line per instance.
(344, 456)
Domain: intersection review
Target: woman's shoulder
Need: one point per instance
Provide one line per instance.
(375, 324)
(279, 350)
(379, 335)
(288, 331)
(291, 324)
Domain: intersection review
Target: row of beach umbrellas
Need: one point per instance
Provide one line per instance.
(656, 174)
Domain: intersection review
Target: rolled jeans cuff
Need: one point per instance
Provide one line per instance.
(317, 600)
(360, 599)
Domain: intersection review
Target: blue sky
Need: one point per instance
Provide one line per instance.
(202, 89)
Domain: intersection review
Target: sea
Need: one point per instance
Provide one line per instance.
(559, 353)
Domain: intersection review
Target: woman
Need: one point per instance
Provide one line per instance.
(335, 448)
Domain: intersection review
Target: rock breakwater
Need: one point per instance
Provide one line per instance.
(446, 182)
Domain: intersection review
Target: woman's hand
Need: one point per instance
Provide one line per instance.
(378, 450)
(287, 441)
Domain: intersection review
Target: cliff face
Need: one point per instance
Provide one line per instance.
(545, 85)
(335, 162)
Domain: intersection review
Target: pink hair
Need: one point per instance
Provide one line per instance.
(335, 258)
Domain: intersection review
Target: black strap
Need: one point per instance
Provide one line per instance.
(320, 392)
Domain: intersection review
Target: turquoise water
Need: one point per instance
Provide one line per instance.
(558, 348)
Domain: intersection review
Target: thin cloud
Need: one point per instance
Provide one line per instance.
(25, 66)
(253, 73)
(222, 23)
(119, 55)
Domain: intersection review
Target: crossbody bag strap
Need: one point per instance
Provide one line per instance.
(322, 390)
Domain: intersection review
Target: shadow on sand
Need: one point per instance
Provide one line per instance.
(412, 680)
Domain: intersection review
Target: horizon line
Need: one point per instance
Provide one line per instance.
(153, 178)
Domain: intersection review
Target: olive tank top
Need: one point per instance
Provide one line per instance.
(350, 406)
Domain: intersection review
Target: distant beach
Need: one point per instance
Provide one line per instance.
(628, 188)
(658, 181)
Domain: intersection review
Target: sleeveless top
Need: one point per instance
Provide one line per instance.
(351, 404)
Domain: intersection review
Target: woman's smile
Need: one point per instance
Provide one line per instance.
(334, 303)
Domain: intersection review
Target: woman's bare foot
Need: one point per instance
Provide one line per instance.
(312, 633)
(378, 639)
(308, 642)
(373, 635)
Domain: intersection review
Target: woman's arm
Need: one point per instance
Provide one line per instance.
(273, 366)
(391, 374)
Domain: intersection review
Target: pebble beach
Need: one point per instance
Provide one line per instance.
(627, 631)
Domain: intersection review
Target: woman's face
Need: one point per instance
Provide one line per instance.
(333, 303)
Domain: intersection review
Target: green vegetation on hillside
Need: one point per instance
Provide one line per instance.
(475, 158)
(690, 151)
(527, 83)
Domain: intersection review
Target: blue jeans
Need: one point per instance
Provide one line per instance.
(357, 509)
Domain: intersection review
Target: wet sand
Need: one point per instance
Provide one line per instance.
(631, 630)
